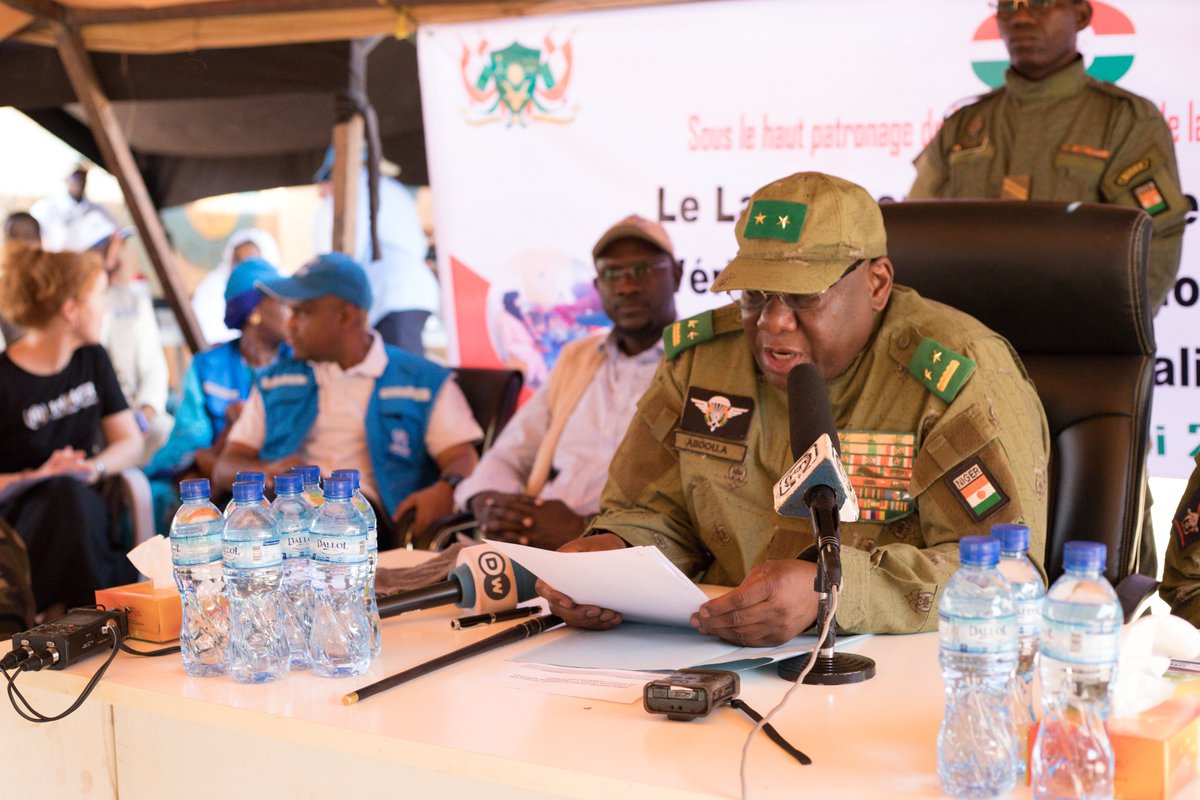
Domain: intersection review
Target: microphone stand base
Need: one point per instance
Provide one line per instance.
(832, 670)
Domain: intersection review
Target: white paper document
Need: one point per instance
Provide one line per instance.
(633, 646)
(613, 685)
(639, 582)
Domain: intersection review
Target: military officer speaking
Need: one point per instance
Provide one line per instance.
(941, 430)
(1054, 133)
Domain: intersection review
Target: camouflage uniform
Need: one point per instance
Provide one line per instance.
(703, 495)
(1068, 137)
(16, 594)
(1181, 572)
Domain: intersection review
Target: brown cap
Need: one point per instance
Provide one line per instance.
(635, 227)
(800, 233)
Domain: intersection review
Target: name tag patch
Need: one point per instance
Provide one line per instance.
(707, 446)
(710, 413)
(976, 489)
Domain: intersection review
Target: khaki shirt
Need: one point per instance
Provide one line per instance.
(1068, 137)
(1181, 572)
(712, 514)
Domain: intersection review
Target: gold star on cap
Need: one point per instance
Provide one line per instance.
(783, 221)
(928, 375)
(693, 323)
(760, 218)
(937, 356)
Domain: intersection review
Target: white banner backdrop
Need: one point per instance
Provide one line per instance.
(542, 132)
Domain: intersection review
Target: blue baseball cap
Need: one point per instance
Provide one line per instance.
(335, 274)
(241, 296)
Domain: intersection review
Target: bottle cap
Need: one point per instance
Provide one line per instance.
(194, 489)
(1012, 537)
(979, 551)
(338, 488)
(247, 491)
(1084, 556)
(352, 474)
(288, 483)
(311, 473)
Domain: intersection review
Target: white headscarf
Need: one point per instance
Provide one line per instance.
(208, 301)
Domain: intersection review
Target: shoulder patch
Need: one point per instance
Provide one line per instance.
(1150, 198)
(1186, 524)
(981, 494)
(940, 369)
(679, 336)
(1134, 169)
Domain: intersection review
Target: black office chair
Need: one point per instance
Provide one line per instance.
(492, 395)
(1066, 285)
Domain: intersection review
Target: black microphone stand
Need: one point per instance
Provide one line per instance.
(831, 668)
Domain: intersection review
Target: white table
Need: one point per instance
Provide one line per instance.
(149, 731)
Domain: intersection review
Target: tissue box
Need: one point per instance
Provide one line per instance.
(1156, 752)
(153, 614)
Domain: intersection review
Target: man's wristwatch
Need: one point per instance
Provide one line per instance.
(452, 478)
(100, 469)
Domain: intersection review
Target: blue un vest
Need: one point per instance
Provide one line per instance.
(397, 418)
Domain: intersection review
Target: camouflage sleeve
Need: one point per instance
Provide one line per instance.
(983, 462)
(933, 171)
(1181, 570)
(643, 501)
(1143, 173)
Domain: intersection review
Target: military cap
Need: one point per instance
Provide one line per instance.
(800, 233)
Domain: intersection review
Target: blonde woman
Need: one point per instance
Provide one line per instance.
(64, 425)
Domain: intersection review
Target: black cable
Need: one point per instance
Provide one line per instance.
(164, 651)
(14, 694)
(770, 731)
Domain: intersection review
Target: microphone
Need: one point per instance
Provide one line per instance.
(483, 580)
(817, 486)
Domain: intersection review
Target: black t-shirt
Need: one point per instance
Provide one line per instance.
(43, 413)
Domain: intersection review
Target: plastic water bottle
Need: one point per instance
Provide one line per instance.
(977, 634)
(341, 634)
(258, 648)
(293, 517)
(1028, 591)
(312, 484)
(369, 605)
(196, 555)
(254, 477)
(1081, 627)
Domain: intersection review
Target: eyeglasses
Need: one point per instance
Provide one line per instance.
(1006, 8)
(753, 301)
(640, 272)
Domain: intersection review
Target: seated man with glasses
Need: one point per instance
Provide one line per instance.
(1052, 132)
(541, 480)
(941, 430)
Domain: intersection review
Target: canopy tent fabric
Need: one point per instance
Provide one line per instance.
(163, 26)
(220, 96)
(217, 121)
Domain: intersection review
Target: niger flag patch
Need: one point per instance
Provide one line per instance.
(976, 489)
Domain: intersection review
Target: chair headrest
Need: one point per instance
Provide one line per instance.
(1050, 277)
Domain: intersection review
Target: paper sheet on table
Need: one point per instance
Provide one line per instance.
(613, 685)
(639, 582)
(634, 646)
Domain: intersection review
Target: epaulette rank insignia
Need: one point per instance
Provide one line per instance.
(679, 336)
(942, 370)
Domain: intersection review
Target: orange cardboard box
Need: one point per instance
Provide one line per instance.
(1156, 753)
(153, 615)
